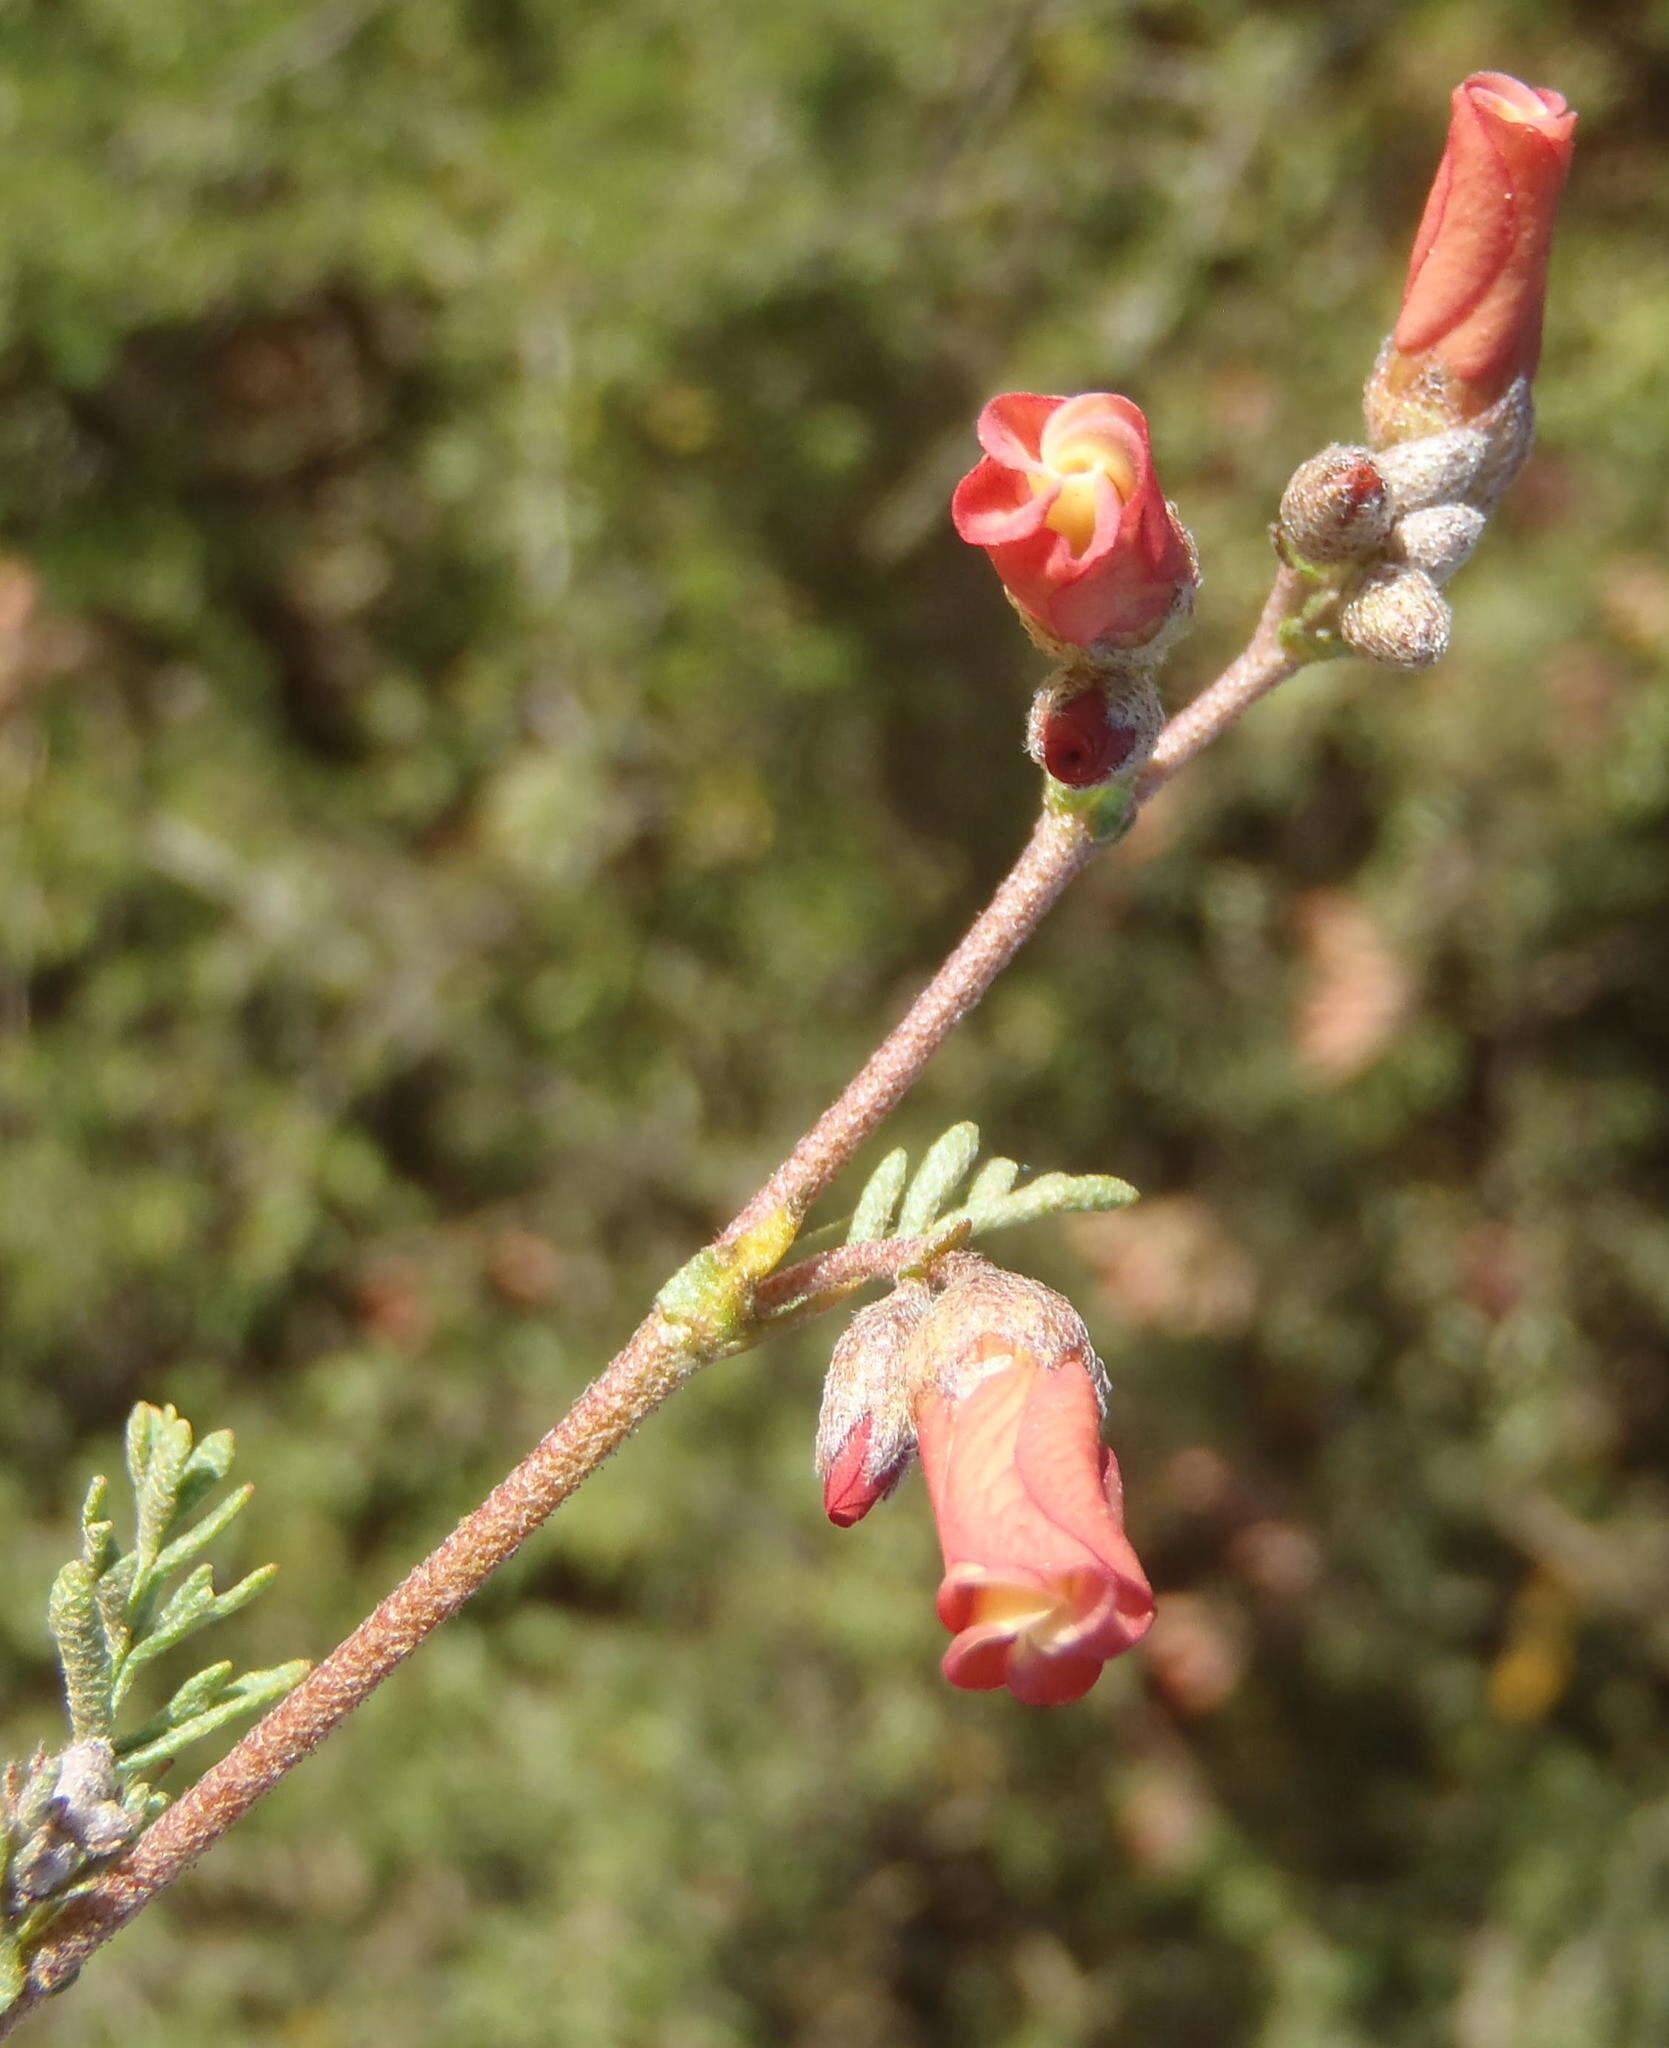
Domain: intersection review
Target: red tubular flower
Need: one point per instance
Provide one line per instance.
(1067, 506)
(1041, 1585)
(1471, 314)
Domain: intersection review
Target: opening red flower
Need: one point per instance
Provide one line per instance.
(1041, 1585)
(1471, 316)
(1068, 508)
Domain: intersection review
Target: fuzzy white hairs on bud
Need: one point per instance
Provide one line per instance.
(1439, 539)
(1396, 617)
(1337, 507)
(866, 1383)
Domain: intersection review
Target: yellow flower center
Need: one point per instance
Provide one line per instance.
(1017, 1607)
(1073, 461)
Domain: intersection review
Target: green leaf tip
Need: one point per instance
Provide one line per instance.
(83, 1653)
(872, 1218)
(945, 1166)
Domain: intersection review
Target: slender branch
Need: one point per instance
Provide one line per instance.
(1253, 674)
(1057, 850)
(653, 1362)
(658, 1356)
(810, 1286)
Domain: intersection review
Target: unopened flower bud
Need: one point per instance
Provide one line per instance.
(1337, 507)
(42, 1865)
(1396, 618)
(68, 1809)
(866, 1434)
(1084, 733)
(1439, 539)
(1471, 318)
(85, 1804)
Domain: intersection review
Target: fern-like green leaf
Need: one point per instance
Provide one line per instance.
(872, 1218)
(996, 1199)
(248, 1694)
(1051, 1194)
(206, 1689)
(184, 1548)
(192, 1605)
(945, 1165)
(112, 1614)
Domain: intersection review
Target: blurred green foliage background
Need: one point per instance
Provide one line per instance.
(493, 722)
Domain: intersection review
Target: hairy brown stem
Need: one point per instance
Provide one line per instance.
(1253, 674)
(1056, 851)
(657, 1357)
(814, 1284)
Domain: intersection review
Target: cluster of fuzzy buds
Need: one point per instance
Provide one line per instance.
(62, 1813)
(1448, 405)
(1394, 525)
(1068, 509)
(993, 1381)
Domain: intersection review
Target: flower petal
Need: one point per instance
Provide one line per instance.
(1041, 1585)
(1010, 427)
(994, 505)
(1037, 1679)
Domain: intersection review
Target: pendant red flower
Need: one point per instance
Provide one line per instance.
(1041, 1586)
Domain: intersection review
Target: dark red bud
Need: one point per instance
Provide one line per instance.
(1080, 744)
